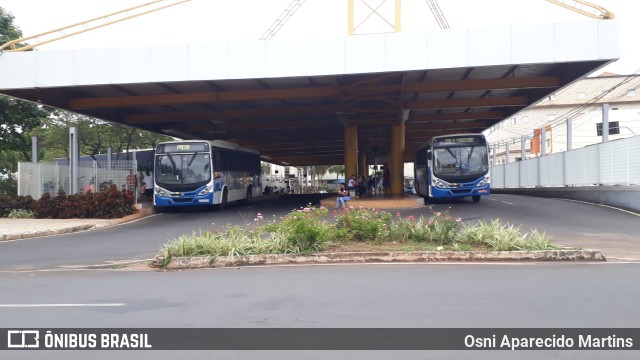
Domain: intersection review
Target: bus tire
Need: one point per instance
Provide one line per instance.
(224, 200)
(426, 200)
(476, 198)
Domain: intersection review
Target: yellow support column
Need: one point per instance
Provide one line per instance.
(362, 164)
(350, 151)
(398, 23)
(350, 16)
(396, 163)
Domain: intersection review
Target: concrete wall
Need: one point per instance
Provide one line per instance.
(620, 196)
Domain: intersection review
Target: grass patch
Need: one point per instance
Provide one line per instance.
(308, 230)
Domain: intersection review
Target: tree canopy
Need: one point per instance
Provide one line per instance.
(8, 30)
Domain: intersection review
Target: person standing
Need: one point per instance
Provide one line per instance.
(386, 181)
(132, 181)
(147, 181)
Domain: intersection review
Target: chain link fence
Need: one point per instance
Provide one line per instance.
(37, 179)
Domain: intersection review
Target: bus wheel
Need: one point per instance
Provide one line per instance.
(225, 199)
(476, 198)
(426, 200)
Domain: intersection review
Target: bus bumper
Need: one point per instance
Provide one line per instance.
(460, 192)
(164, 201)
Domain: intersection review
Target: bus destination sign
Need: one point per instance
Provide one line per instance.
(459, 140)
(190, 147)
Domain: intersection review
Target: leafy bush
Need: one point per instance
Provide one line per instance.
(440, 229)
(13, 202)
(21, 214)
(362, 224)
(500, 236)
(305, 230)
(110, 203)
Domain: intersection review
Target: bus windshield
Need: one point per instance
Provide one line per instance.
(183, 169)
(460, 161)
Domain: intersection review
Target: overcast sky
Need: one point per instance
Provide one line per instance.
(201, 21)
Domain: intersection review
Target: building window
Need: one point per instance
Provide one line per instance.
(514, 121)
(631, 92)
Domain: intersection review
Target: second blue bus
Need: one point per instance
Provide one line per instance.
(197, 172)
(453, 166)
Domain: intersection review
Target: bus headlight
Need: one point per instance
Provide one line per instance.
(161, 192)
(439, 183)
(206, 190)
(483, 182)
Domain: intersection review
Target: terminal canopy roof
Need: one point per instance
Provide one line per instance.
(290, 101)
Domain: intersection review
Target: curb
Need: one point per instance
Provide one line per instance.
(143, 212)
(383, 257)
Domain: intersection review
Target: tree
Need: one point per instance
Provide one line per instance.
(18, 118)
(8, 31)
(336, 169)
(94, 136)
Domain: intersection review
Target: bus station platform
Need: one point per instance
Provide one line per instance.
(378, 201)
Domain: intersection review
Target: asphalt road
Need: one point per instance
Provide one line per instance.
(569, 223)
(394, 295)
(35, 272)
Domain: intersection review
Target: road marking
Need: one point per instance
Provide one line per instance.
(505, 202)
(603, 205)
(60, 305)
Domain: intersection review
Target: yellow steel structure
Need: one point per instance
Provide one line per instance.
(88, 25)
(585, 8)
(352, 27)
(282, 19)
(437, 14)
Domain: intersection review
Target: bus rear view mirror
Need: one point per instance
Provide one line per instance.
(429, 155)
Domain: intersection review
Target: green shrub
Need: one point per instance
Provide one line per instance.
(500, 236)
(110, 203)
(14, 202)
(440, 229)
(21, 214)
(363, 224)
(305, 230)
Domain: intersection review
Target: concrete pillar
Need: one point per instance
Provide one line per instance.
(34, 149)
(73, 160)
(523, 147)
(507, 152)
(543, 141)
(605, 123)
(350, 150)
(396, 161)
(495, 154)
(109, 154)
(569, 134)
(362, 164)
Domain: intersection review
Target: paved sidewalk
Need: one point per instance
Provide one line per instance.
(13, 229)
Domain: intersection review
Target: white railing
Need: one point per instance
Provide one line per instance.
(37, 179)
(612, 163)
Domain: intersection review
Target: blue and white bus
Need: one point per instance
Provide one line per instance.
(453, 166)
(197, 172)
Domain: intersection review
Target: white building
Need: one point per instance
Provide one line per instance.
(582, 103)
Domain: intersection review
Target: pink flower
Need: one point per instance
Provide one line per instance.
(398, 214)
(438, 214)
